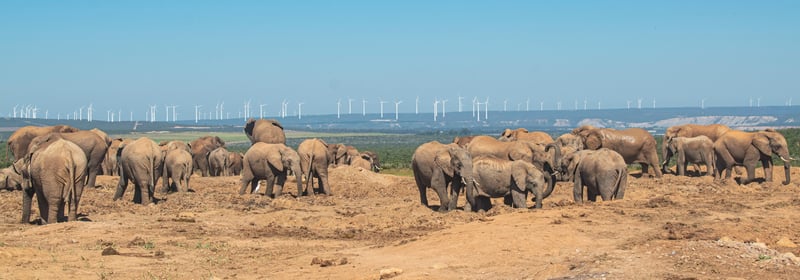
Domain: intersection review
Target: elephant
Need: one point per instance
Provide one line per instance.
(264, 130)
(10, 179)
(336, 154)
(524, 135)
(712, 131)
(439, 166)
(270, 162)
(699, 149)
(537, 154)
(103, 135)
(178, 167)
(218, 162)
(314, 163)
(602, 171)
(635, 145)
(19, 141)
(56, 172)
(200, 149)
(363, 161)
(374, 159)
(91, 144)
(748, 148)
(234, 167)
(463, 141)
(139, 161)
(351, 153)
(110, 166)
(499, 177)
(569, 143)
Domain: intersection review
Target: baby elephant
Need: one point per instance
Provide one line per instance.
(695, 150)
(602, 171)
(498, 178)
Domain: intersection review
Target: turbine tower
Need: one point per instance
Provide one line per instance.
(396, 106)
(527, 105)
(338, 108)
(90, 113)
(639, 103)
(80, 114)
(444, 111)
(261, 110)
(435, 108)
(382, 102)
(486, 104)
(541, 106)
(459, 103)
(300, 110)
(702, 103)
(363, 106)
(505, 105)
(475, 104)
(197, 112)
(349, 105)
(416, 106)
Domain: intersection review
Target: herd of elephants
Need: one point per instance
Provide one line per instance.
(56, 162)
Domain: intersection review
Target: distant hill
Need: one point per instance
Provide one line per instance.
(655, 120)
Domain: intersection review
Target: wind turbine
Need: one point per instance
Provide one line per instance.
(300, 110)
(505, 104)
(585, 102)
(80, 115)
(703, 103)
(444, 111)
(459, 103)
(629, 103)
(382, 102)
(90, 113)
(167, 113)
(654, 103)
(639, 103)
(396, 106)
(222, 110)
(349, 105)
(541, 105)
(363, 106)
(527, 105)
(486, 104)
(758, 102)
(435, 108)
(474, 104)
(416, 106)
(174, 113)
(558, 105)
(338, 108)
(261, 110)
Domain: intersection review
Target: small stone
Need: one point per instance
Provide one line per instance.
(390, 272)
(786, 242)
(725, 239)
(108, 251)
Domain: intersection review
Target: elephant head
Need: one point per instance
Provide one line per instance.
(511, 135)
(264, 130)
(456, 163)
(770, 141)
(10, 179)
(373, 159)
(288, 159)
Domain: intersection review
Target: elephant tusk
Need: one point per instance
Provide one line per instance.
(475, 182)
(463, 181)
(785, 159)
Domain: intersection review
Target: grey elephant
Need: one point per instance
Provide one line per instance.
(697, 150)
(602, 171)
(177, 166)
(522, 134)
(442, 168)
(374, 158)
(748, 148)
(314, 163)
(336, 154)
(535, 153)
(10, 179)
(363, 161)
(56, 172)
(218, 162)
(139, 161)
(234, 167)
(110, 166)
(264, 130)
(200, 149)
(635, 145)
(270, 162)
(93, 146)
(499, 178)
(712, 131)
(19, 141)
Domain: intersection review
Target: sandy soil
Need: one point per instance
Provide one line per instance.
(374, 226)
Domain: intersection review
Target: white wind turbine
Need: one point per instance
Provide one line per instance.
(527, 104)
(80, 114)
(474, 104)
(349, 105)
(416, 106)
(167, 113)
(435, 108)
(261, 110)
(174, 113)
(197, 112)
(505, 105)
(444, 111)
(363, 106)
(486, 104)
(382, 102)
(459, 103)
(300, 110)
(90, 113)
(396, 107)
(338, 108)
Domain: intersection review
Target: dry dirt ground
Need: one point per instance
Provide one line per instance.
(374, 226)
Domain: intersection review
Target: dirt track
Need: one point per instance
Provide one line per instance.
(669, 228)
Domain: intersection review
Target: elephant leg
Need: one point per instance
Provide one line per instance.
(767, 165)
(244, 182)
(455, 189)
(281, 180)
(591, 193)
(91, 178)
(121, 186)
(423, 195)
(322, 181)
(439, 184)
(577, 189)
(270, 186)
(645, 169)
(27, 199)
(751, 173)
(52, 211)
(146, 195)
(621, 183)
(518, 198)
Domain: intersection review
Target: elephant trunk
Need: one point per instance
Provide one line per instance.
(556, 162)
(787, 166)
(27, 198)
(298, 176)
(550, 178)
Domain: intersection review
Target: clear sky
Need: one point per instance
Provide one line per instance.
(126, 55)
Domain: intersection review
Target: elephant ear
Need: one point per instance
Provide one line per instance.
(248, 127)
(219, 141)
(442, 160)
(761, 142)
(594, 141)
(574, 163)
(325, 144)
(274, 159)
(276, 123)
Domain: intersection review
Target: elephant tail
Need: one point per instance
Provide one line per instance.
(620, 176)
(308, 172)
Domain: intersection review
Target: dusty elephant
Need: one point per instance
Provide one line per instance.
(200, 149)
(110, 166)
(177, 166)
(521, 134)
(270, 162)
(602, 171)
(19, 141)
(699, 149)
(537, 154)
(10, 179)
(499, 178)
(218, 162)
(336, 154)
(141, 162)
(314, 163)
(439, 166)
(712, 131)
(374, 159)
(55, 171)
(93, 146)
(635, 145)
(234, 167)
(748, 148)
(265, 131)
(363, 161)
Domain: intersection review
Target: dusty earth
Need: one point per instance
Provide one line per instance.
(374, 226)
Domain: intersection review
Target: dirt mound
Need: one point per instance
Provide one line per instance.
(374, 226)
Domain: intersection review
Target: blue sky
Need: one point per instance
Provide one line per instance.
(127, 55)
